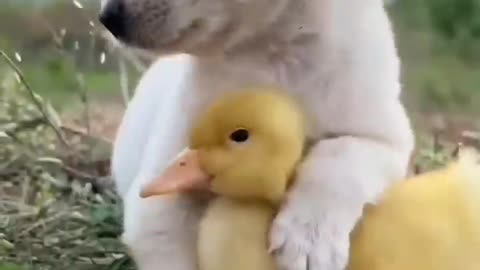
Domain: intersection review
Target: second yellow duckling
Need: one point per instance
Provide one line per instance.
(244, 149)
(428, 222)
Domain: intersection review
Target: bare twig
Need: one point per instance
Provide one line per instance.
(123, 52)
(85, 98)
(86, 102)
(77, 131)
(25, 125)
(124, 81)
(35, 100)
(83, 176)
(42, 223)
(137, 64)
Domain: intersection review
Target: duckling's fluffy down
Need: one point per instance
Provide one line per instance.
(429, 222)
(247, 248)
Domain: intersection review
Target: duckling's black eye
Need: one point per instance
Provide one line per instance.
(240, 135)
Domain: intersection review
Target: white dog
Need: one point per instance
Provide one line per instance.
(337, 57)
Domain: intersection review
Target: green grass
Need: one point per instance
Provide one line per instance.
(9, 266)
(444, 84)
(435, 78)
(62, 82)
(58, 209)
(62, 89)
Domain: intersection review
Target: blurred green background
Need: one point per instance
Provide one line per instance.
(438, 42)
(439, 46)
(60, 48)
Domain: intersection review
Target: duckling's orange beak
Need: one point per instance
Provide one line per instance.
(185, 174)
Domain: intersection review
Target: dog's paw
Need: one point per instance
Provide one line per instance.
(298, 243)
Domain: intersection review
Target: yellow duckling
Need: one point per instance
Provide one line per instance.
(428, 222)
(244, 149)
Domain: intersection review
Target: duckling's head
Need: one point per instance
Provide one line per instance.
(244, 146)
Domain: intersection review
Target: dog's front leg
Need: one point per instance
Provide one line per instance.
(335, 181)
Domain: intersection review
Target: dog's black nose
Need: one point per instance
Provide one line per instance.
(113, 17)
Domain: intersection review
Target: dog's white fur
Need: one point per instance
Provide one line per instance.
(337, 57)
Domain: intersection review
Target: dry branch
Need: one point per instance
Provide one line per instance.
(34, 98)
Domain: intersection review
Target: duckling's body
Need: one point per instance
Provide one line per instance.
(428, 222)
(233, 234)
